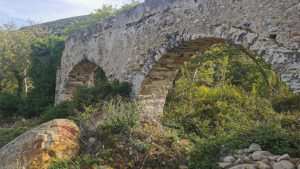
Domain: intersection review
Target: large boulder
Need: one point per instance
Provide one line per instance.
(36, 148)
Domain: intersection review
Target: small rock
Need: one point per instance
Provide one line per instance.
(244, 166)
(92, 140)
(295, 160)
(182, 167)
(240, 152)
(229, 159)
(295, 33)
(239, 161)
(238, 156)
(273, 29)
(284, 157)
(284, 164)
(272, 163)
(273, 158)
(254, 147)
(258, 155)
(224, 164)
(265, 160)
(224, 150)
(262, 165)
(245, 158)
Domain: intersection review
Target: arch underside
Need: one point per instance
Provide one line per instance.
(154, 88)
(81, 75)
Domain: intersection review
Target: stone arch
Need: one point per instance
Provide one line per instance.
(154, 88)
(81, 75)
(149, 42)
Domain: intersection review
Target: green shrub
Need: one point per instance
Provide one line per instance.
(287, 103)
(273, 139)
(205, 154)
(63, 110)
(10, 105)
(120, 115)
(140, 146)
(103, 91)
(78, 162)
(219, 110)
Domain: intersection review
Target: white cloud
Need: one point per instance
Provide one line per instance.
(49, 10)
(89, 4)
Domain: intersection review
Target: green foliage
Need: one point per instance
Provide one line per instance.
(271, 138)
(10, 105)
(99, 76)
(99, 16)
(45, 58)
(225, 96)
(77, 163)
(63, 110)
(29, 60)
(103, 91)
(103, 122)
(207, 151)
(120, 116)
(14, 57)
(140, 146)
(284, 103)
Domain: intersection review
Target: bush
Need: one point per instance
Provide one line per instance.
(103, 91)
(63, 110)
(273, 139)
(10, 105)
(78, 162)
(121, 115)
(287, 103)
(219, 110)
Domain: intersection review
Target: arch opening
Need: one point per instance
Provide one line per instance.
(82, 75)
(155, 87)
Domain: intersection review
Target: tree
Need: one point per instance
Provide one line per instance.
(14, 57)
(45, 58)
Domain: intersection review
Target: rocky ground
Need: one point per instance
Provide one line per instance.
(255, 158)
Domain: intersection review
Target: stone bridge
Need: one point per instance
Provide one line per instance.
(149, 43)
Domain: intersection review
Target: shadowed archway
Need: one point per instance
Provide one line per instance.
(81, 75)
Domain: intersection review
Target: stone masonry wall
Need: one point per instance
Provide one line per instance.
(148, 44)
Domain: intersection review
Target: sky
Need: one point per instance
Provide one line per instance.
(39, 11)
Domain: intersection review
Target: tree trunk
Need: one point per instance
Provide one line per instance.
(26, 84)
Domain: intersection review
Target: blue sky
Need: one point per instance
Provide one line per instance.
(20, 11)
